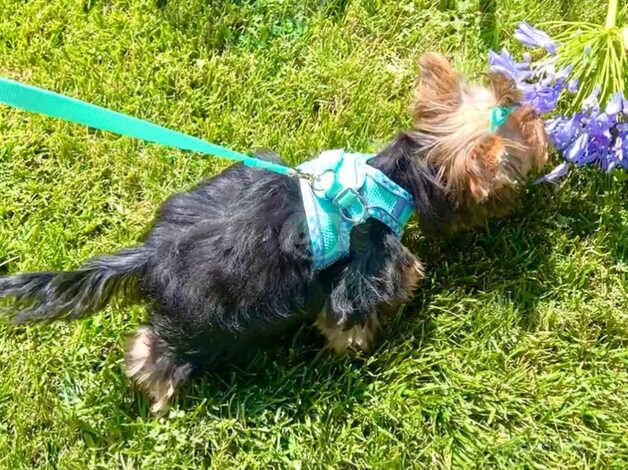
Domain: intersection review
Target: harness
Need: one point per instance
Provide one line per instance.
(339, 190)
(343, 193)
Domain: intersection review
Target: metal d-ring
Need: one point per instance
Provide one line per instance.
(353, 220)
(356, 219)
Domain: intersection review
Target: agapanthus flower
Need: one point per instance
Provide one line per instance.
(617, 155)
(591, 101)
(617, 104)
(591, 135)
(504, 63)
(556, 174)
(562, 130)
(533, 37)
(572, 86)
(542, 95)
(594, 135)
(619, 152)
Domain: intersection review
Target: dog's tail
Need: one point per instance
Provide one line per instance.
(41, 296)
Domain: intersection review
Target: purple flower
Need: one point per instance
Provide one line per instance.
(556, 174)
(594, 135)
(542, 95)
(576, 152)
(503, 63)
(533, 37)
(591, 101)
(618, 155)
(562, 131)
(563, 73)
(617, 104)
(620, 149)
(599, 125)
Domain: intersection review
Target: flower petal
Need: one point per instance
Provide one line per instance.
(556, 174)
(616, 104)
(576, 152)
(572, 86)
(534, 37)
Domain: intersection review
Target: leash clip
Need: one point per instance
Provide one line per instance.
(310, 178)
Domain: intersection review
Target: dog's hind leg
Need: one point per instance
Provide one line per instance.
(152, 365)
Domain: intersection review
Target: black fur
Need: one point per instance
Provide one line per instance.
(227, 264)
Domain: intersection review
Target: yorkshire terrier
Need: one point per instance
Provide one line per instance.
(224, 267)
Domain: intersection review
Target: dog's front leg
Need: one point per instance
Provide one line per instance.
(378, 279)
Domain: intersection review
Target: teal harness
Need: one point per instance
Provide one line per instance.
(339, 190)
(344, 192)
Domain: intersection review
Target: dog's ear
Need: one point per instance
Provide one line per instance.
(481, 168)
(505, 89)
(438, 90)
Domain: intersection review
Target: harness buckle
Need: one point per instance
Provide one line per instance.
(347, 198)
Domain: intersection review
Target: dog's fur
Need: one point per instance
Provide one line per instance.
(228, 264)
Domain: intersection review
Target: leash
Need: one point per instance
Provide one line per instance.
(38, 100)
(49, 103)
(339, 191)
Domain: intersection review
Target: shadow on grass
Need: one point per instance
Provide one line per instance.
(510, 259)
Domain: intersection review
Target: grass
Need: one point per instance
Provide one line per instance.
(513, 355)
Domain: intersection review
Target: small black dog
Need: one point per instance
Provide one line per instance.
(228, 263)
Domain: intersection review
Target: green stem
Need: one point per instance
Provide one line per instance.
(611, 15)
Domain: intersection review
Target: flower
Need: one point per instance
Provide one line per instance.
(503, 63)
(562, 131)
(572, 86)
(556, 174)
(618, 155)
(533, 37)
(543, 95)
(576, 151)
(596, 134)
(591, 101)
(590, 136)
(617, 104)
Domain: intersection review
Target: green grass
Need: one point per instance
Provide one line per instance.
(513, 355)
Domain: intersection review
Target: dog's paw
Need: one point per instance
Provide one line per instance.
(358, 338)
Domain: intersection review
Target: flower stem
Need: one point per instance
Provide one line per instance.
(611, 15)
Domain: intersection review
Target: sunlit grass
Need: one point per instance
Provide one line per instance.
(512, 355)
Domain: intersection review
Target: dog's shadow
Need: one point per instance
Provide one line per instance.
(509, 260)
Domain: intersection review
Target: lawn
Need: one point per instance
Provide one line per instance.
(514, 353)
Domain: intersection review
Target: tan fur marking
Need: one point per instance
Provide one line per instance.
(453, 119)
(439, 89)
(140, 358)
(411, 277)
(354, 339)
(505, 89)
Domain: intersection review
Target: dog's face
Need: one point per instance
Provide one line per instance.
(480, 170)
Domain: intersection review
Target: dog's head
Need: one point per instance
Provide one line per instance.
(480, 169)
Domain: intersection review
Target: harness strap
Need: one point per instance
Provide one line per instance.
(499, 115)
(345, 192)
(46, 102)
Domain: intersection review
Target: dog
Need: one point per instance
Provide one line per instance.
(226, 266)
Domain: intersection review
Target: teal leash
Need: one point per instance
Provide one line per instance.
(46, 102)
